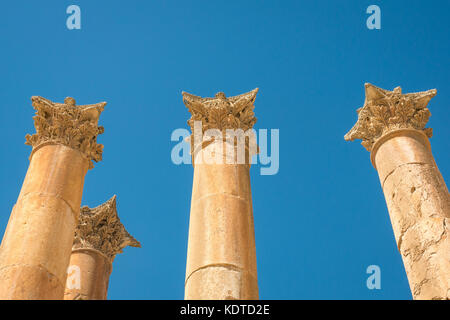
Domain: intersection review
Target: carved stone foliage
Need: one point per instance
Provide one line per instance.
(100, 229)
(68, 124)
(385, 111)
(221, 112)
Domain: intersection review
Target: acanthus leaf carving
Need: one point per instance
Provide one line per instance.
(100, 229)
(222, 112)
(68, 124)
(386, 111)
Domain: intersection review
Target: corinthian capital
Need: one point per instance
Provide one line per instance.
(386, 111)
(100, 229)
(221, 112)
(67, 124)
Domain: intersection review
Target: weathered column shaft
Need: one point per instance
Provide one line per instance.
(221, 253)
(419, 206)
(36, 246)
(39, 235)
(88, 275)
(99, 237)
(392, 127)
(221, 258)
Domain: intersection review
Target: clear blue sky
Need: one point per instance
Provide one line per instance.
(322, 219)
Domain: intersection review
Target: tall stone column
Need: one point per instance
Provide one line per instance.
(98, 238)
(221, 257)
(391, 126)
(36, 246)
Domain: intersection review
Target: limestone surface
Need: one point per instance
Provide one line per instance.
(99, 237)
(68, 124)
(392, 127)
(36, 246)
(221, 258)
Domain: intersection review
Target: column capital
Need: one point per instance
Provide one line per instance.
(100, 229)
(385, 111)
(222, 112)
(67, 124)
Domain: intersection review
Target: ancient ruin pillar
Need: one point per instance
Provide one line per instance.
(221, 258)
(98, 238)
(36, 246)
(392, 127)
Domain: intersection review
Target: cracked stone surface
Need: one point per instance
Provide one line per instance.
(391, 126)
(419, 207)
(220, 282)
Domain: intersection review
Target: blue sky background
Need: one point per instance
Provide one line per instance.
(322, 219)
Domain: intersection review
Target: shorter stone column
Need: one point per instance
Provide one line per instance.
(98, 238)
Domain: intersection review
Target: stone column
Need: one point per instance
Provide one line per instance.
(392, 127)
(221, 257)
(98, 238)
(36, 246)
